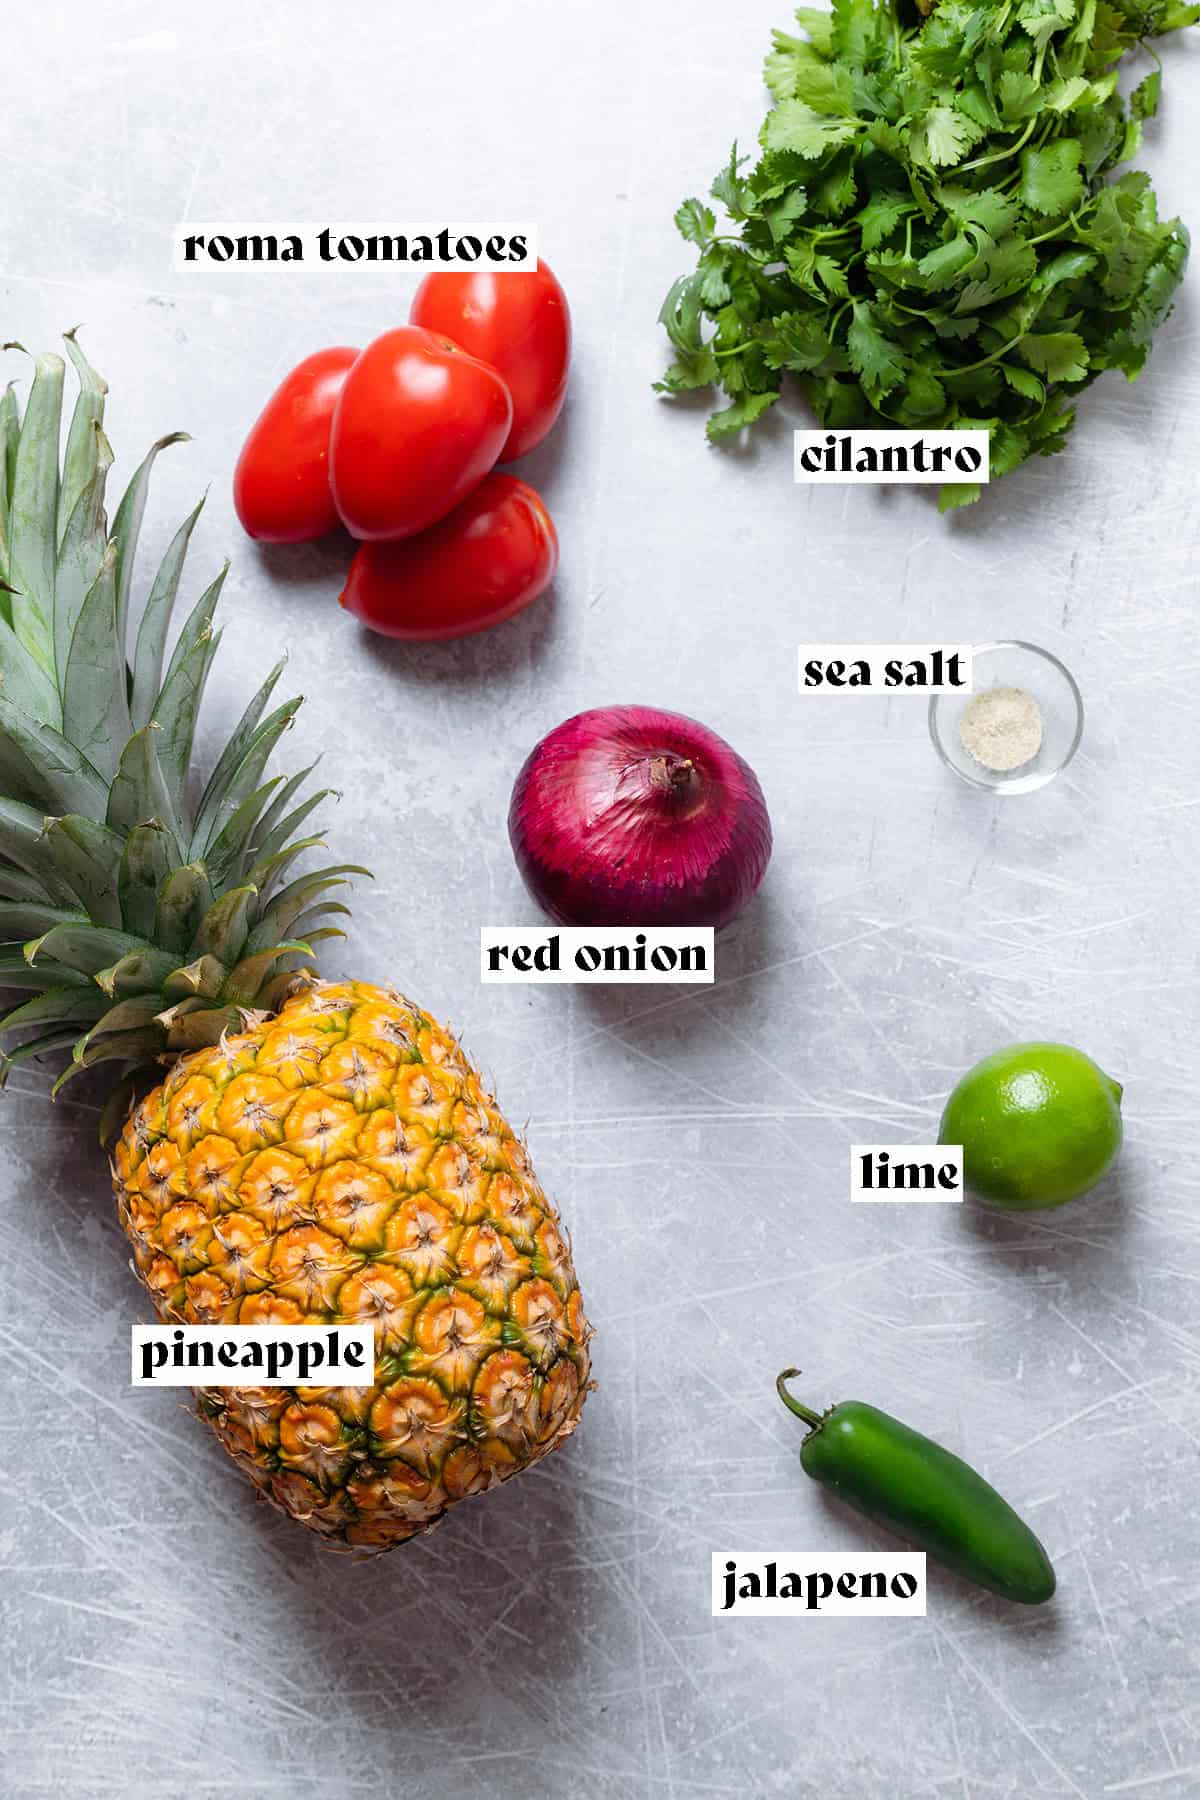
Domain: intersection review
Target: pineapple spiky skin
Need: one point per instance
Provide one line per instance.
(141, 915)
(344, 1163)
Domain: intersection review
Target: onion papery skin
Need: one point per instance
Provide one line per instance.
(626, 815)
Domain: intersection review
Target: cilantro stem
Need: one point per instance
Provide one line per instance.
(981, 162)
(1061, 231)
(996, 356)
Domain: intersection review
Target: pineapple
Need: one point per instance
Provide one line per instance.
(315, 1151)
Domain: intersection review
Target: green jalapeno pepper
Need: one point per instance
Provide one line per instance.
(924, 1493)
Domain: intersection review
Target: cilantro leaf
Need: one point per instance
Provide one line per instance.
(1125, 250)
(941, 267)
(692, 369)
(923, 398)
(713, 271)
(731, 419)
(779, 70)
(782, 214)
(1069, 265)
(943, 137)
(990, 209)
(1051, 178)
(728, 188)
(794, 125)
(1043, 18)
(1066, 94)
(839, 190)
(872, 355)
(695, 222)
(860, 29)
(680, 315)
(1025, 383)
(800, 260)
(880, 217)
(796, 71)
(975, 101)
(832, 277)
(948, 38)
(1000, 269)
(1020, 96)
(1058, 355)
(796, 341)
(819, 26)
(893, 268)
(957, 493)
(1146, 95)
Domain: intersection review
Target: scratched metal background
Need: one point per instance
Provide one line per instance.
(165, 1635)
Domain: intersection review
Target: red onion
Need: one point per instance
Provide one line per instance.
(630, 816)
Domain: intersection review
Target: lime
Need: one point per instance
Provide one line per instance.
(1039, 1125)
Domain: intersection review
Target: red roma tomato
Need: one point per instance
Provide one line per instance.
(474, 569)
(418, 425)
(281, 483)
(520, 323)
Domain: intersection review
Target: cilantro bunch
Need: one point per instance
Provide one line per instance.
(929, 238)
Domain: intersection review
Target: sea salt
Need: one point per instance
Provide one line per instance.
(1002, 728)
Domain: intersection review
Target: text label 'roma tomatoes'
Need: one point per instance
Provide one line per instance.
(486, 561)
(519, 322)
(418, 425)
(281, 484)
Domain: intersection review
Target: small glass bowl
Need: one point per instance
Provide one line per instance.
(1048, 681)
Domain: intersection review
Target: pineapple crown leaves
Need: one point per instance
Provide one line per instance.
(138, 920)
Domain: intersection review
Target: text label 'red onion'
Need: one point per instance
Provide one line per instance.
(215, 245)
(597, 953)
(890, 458)
(253, 1356)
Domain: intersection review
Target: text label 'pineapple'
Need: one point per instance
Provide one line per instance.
(608, 953)
(216, 1356)
(886, 668)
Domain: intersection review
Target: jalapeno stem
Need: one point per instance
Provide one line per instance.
(811, 1418)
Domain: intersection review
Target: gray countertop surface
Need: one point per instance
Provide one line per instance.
(165, 1634)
